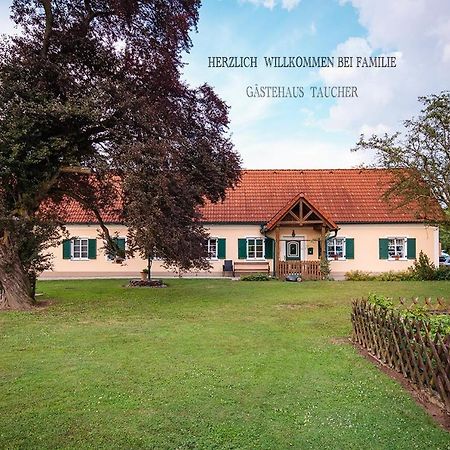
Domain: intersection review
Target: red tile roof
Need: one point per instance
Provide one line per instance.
(341, 196)
(75, 213)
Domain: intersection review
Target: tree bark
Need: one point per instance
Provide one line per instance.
(16, 292)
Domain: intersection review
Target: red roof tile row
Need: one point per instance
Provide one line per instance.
(342, 195)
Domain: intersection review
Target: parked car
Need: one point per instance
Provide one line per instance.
(444, 261)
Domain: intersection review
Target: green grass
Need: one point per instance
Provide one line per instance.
(202, 364)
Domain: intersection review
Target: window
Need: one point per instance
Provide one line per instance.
(397, 248)
(212, 248)
(255, 248)
(336, 248)
(80, 249)
(293, 249)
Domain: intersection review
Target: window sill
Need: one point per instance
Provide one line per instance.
(397, 259)
(79, 259)
(256, 259)
(338, 259)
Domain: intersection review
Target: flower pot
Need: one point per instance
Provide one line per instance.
(144, 276)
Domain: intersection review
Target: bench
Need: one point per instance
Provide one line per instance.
(249, 267)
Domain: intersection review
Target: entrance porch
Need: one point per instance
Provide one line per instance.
(300, 231)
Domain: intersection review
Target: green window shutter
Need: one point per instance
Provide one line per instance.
(242, 248)
(383, 245)
(411, 248)
(221, 248)
(268, 246)
(67, 249)
(92, 249)
(350, 248)
(120, 243)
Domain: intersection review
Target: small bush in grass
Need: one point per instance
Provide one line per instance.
(359, 275)
(256, 277)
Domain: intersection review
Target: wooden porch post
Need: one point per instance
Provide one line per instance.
(277, 251)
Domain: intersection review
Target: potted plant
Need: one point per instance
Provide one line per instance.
(144, 274)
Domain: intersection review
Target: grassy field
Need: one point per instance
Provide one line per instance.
(203, 364)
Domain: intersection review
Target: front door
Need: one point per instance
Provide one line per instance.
(293, 250)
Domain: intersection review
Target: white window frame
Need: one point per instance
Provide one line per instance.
(108, 258)
(72, 249)
(344, 254)
(256, 258)
(213, 257)
(404, 255)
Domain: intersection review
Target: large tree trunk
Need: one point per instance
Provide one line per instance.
(16, 293)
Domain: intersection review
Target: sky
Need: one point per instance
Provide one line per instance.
(295, 133)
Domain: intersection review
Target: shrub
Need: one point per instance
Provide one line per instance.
(256, 277)
(381, 301)
(436, 322)
(441, 323)
(403, 275)
(442, 273)
(359, 275)
(423, 268)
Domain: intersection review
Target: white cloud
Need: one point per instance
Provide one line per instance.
(285, 4)
(289, 4)
(417, 32)
(296, 152)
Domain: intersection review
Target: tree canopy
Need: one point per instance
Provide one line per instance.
(419, 157)
(91, 93)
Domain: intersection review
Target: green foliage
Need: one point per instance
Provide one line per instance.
(442, 273)
(256, 277)
(380, 300)
(440, 323)
(421, 155)
(444, 233)
(417, 312)
(358, 275)
(423, 269)
(392, 275)
(436, 322)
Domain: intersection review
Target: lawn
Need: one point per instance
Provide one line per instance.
(203, 364)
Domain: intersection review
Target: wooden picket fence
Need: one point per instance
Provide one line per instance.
(406, 345)
(309, 270)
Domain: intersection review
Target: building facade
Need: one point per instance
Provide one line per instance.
(279, 222)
